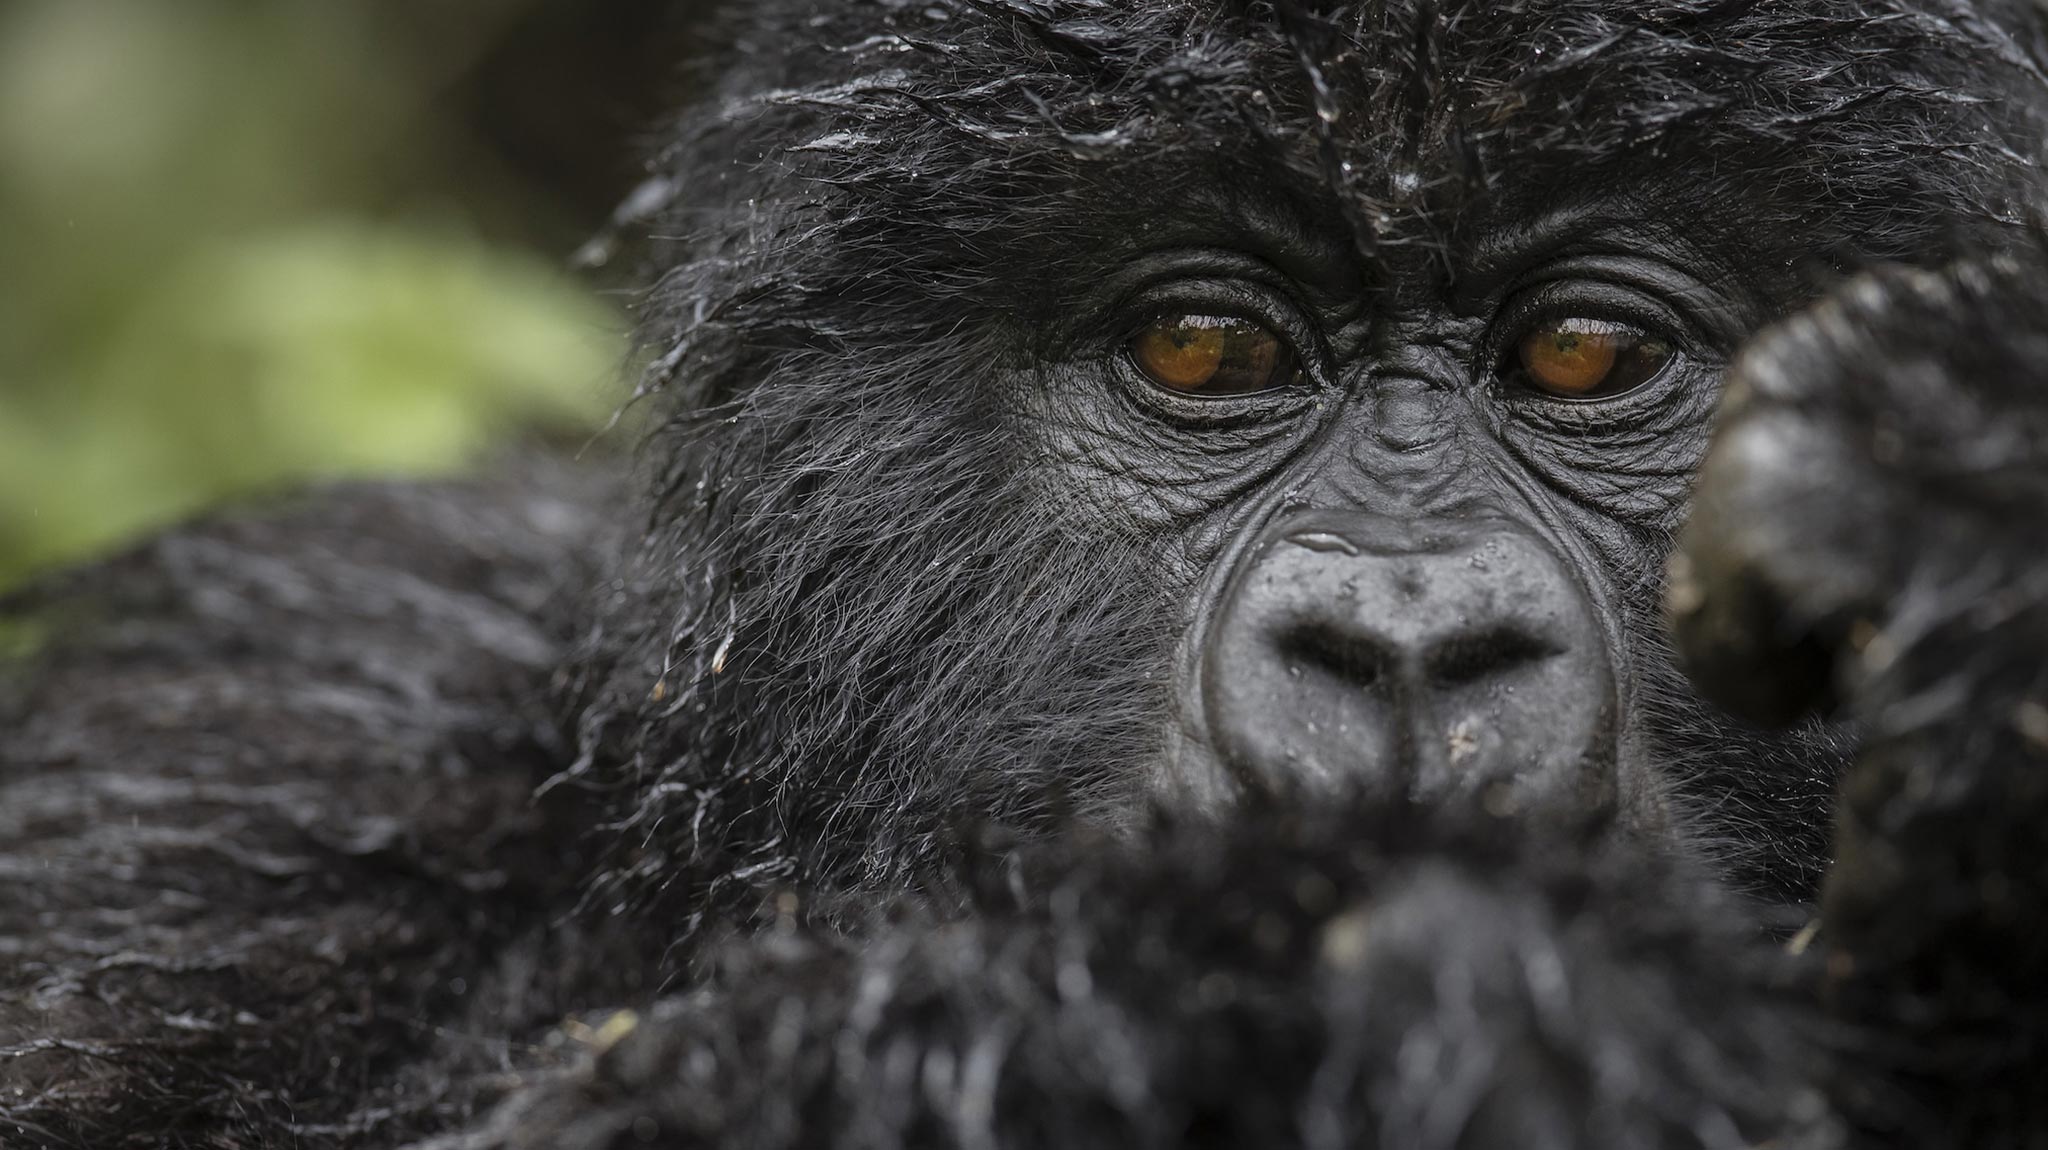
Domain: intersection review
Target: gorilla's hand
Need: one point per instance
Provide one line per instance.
(1880, 476)
(1870, 533)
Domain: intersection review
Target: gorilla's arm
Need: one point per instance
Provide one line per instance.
(1357, 977)
(1871, 533)
(265, 788)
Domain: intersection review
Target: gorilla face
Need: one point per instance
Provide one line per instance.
(1071, 404)
(1407, 400)
(1417, 512)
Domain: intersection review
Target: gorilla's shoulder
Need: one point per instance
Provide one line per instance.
(280, 627)
(262, 770)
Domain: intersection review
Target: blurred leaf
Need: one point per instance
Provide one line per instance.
(324, 351)
(236, 256)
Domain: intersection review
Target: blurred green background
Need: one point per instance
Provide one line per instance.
(245, 243)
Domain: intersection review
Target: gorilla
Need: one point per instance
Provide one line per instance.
(1414, 573)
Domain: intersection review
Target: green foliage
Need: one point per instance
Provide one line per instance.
(212, 287)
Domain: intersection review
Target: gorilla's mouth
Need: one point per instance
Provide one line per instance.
(1430, 659)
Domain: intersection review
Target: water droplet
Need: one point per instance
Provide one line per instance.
(1323, 541)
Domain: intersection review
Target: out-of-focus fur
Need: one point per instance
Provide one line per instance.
(266, 801)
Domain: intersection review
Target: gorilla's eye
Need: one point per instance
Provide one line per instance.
(1588, 358)
(1209, 355)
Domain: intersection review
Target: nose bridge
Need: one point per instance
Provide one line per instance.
(1432, 655)
(1406, 413)
(1409, 387)
(1396, 447)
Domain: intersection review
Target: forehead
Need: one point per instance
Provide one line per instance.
(1411, 124)
(1406, 73)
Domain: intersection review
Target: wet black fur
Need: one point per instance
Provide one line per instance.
(318, 821)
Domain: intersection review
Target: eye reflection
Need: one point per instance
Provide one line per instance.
(1578, 358)
(1211, 356)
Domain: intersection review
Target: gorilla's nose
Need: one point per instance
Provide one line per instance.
(1433, 657)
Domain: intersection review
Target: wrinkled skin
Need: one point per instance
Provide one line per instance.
(973, 740)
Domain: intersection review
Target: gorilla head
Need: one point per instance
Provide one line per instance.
(1071, 404)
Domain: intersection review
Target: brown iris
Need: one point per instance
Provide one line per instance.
(1209, 355)
(1589, 358)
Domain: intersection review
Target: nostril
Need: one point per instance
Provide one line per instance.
(1487, 653)
(1360, 659)
(1353, 658)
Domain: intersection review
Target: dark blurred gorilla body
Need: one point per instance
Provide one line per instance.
(1142, 625)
